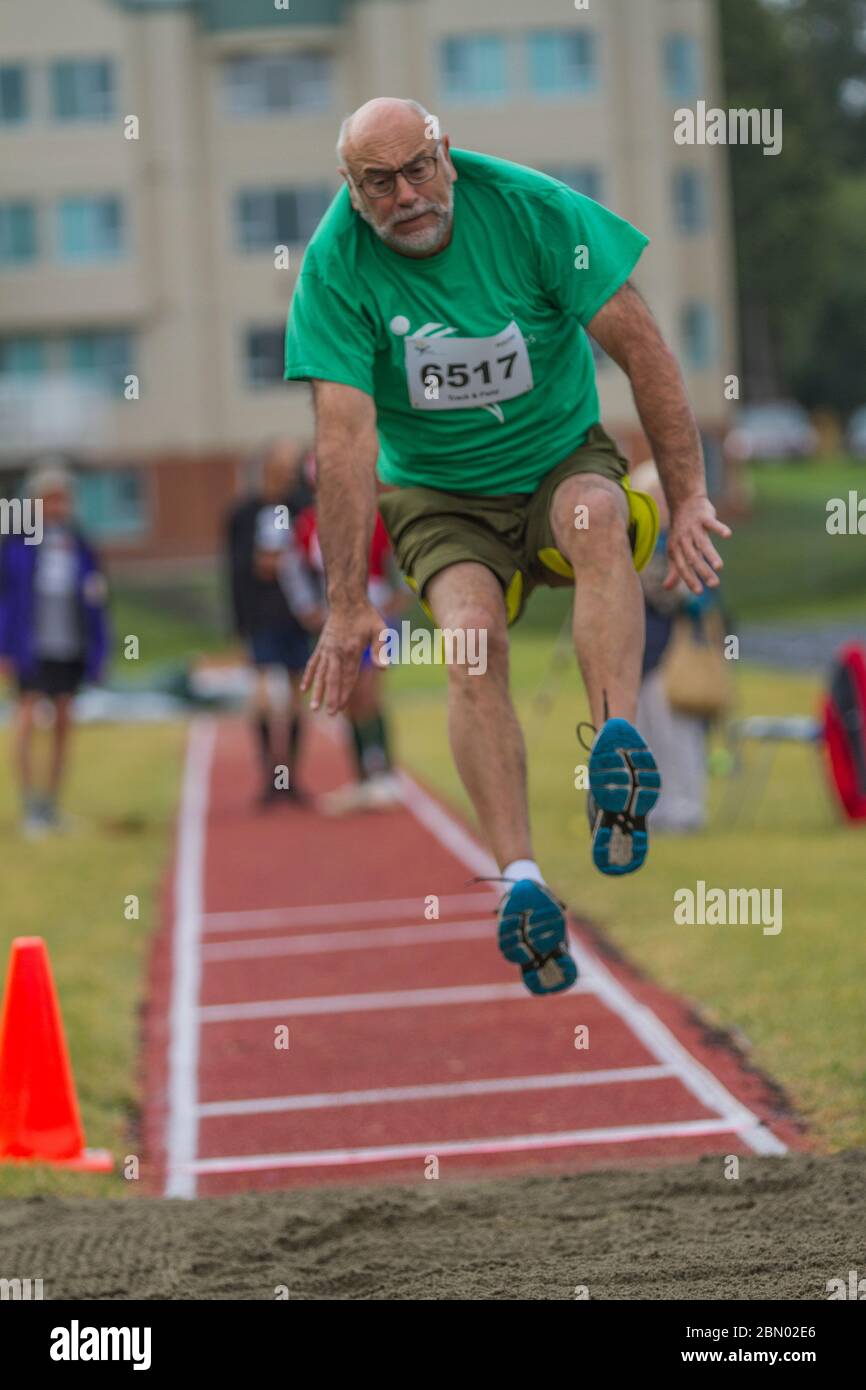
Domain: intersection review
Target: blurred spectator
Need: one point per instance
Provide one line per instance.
(274, 609)
(53, 634)
(677, 703)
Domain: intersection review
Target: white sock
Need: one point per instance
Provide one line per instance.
(523, 868)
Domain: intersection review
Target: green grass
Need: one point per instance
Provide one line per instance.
(70, 889)
(796, 997)
(781, 564)
(175, 622)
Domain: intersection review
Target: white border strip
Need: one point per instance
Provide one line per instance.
(375, 1000)
(326, 914)
(182, 1126)
(367, 939)
(654, 1034)
(514, 1143)
(446, 1090)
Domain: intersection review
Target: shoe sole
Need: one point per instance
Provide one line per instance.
(625, 781)
(532, 934)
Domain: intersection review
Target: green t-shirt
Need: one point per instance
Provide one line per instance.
(476, 358)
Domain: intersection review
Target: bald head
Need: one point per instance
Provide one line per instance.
(400, 175)
(382, 118)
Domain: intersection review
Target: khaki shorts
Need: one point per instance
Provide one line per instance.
(511, 535)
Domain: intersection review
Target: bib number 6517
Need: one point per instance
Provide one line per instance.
(461, 373)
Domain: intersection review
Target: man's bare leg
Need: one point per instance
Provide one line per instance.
(609, 640)
(59, 743)
(488, 749)
(23, 748)
(262, 724)
(486, 739)
(608, 602)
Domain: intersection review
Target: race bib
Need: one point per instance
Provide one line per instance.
(462, 373)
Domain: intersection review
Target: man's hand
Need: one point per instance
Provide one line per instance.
(333, 668)
(692, 555)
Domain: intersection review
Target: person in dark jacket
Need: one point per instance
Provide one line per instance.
(53, 633)
(274, 608)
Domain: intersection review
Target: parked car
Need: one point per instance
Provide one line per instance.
(774, 430)
(855, 436)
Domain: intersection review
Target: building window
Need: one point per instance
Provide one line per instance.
(17, 233)
(260, 85)
(112, 504)
(104, 358)
(13, 94)
(90, 229)
(83, 89)
(473, 69)
(698, 333)
(690, 201)
(562, 62)
(266, 218)
(682, 66)
(583, 178)
(264, 351)
(24, 356)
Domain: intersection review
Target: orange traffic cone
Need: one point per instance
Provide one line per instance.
(39, 1119)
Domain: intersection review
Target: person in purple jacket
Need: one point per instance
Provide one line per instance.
(53, 633)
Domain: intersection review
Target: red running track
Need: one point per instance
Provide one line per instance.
(311, 1020)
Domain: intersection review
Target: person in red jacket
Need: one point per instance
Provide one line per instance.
(376, 787)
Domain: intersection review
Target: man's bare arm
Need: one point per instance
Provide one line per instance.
(347, 447)
(627, 331)
(346, 450)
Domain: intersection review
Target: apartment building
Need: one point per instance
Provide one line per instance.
(165, 162)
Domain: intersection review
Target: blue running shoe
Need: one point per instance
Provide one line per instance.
(532, 934)
(624, 786)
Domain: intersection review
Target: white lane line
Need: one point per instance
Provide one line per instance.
(662, 1043)
(446, 1090)
(368, 939)
(512, 1143)
(182, 1126)
(447, 830)
(374, 1000)
(654, 1034)
(327, 914)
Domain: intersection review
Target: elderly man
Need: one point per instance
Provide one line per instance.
(442, 314)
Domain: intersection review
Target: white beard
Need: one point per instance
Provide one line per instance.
(425, 239)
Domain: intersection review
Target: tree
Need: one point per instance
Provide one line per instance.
(800, 285)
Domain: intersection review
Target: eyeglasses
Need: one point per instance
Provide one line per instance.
(383, 183)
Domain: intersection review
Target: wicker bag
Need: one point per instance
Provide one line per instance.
(695, 674)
